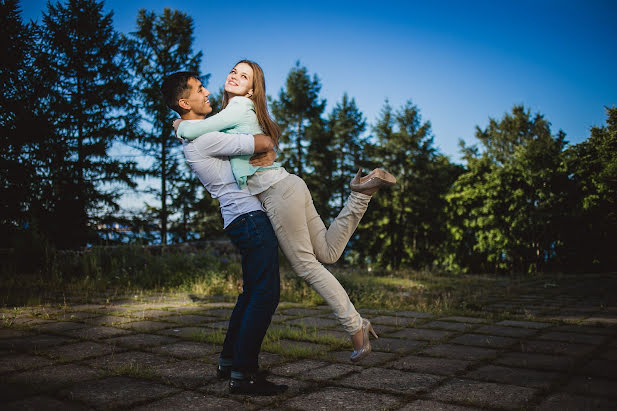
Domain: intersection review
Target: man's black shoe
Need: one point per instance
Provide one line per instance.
(255, 385)
(224, 372)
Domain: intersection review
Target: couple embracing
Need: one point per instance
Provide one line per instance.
(264, 207)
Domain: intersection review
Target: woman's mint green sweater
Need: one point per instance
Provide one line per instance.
(238, 117)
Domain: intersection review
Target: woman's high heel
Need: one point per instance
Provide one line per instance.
(357, 355)
(376, 178)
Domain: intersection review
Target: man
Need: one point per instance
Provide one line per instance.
(248, 227)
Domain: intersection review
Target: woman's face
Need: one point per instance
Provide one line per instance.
(239, 81)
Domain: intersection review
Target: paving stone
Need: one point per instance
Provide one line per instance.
(483, 340)
(600, 368)
(423, 405)
(555, 347)
(569, 402)
(337, 334)
(141, 340)
(187, 349)
(462, 319)
(396, 345)
(414, 314)
(41, 403)
(293, 347)
(80, 351)
(392, 380)
(585, 329)
(33, 343)
(430, 365)
(504, 331)
(128, 361)
(374, 358)
(537, 361)
(146, 326)
(383, 330)
(187, 332)
(54, 376)
(525, 324)
(330, 372)
(484, 394)
(572, 337)
(189, 319)
(448, 325)
(610, 355)
(220, 325)
(17, 362)
(302, 311)
(108, 320)
(116, 392)
(395, 321)
(96, 332)
(318, 322)
(265, 359)
(334, 398)
(29, 321)
(297, 367)
(460, 352)
(13, 333)
(151, 314)
(187, 373)
(591, 386)
(58, 327)
(514, 376)
(219, 312)
(609, 321)
(190, 400)
(422, 334)
(75, 315)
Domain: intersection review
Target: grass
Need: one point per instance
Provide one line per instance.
(104, 274)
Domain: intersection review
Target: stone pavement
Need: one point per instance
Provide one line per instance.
(551, 347)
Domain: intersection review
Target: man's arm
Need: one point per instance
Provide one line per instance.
(263, 143)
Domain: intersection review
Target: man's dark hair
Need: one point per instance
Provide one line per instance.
(174, 88)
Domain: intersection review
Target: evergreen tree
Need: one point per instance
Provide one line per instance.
(406, 225)
(346, 125)
(81, 57)
(162, 45)
(18, 165)
(297, 108)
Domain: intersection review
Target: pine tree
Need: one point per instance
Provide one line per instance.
(81, 58)
(162, 45)
(346, 124)
(296, 109)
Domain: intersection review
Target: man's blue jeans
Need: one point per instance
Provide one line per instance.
(253, 235)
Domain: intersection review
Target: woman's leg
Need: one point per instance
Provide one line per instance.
(286, 202)
(330, 243)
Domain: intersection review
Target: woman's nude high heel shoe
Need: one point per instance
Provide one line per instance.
(357, 355)
(376, 178)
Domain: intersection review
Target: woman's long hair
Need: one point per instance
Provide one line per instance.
(268, 125)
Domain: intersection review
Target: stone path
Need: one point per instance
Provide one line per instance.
(553, 347)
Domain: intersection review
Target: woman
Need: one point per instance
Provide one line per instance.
(301, 233)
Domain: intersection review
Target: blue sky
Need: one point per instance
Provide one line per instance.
(460, 62)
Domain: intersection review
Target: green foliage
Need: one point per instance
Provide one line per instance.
(406, 226)
(592, 228)
(296, 109)
(161, 46)
(505, 210)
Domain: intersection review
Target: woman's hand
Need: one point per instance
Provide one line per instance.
(263, 159)
(176, 124)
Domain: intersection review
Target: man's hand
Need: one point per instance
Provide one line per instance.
(263, 143)
(263, 159)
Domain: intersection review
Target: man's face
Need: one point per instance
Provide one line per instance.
(198, 98)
